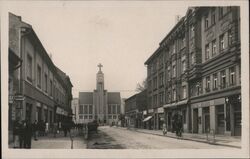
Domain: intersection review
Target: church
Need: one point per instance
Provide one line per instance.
(99, 105)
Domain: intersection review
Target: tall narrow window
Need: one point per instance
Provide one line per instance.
(192, 31)
(183, 66)
(81, 109)
(222, 42)
(220, 12)
(184, 92)
(206, 21)
(29, 68)
(192, 58)
(215, 81)
(230, 37)
(51, 87)
(39, 76)
(174, 94)
(46, 82)
(85, 109)
(169, 73)
(161, 79)
(232, 76)
(223, 79)
(207, 51)
(174, 71)
(90, 109)
(208, 84)
(213, 17)
(213, 47)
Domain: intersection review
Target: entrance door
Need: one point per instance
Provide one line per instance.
(28, 112)
(206, 119)
(169, 121)
(237, 120)
(220, 119)
(195, 120)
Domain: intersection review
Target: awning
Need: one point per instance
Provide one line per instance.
(147, 118)
(176, 104)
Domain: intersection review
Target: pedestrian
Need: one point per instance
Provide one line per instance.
(27, 134)
(164, 129)
(16, 132)
(55, 129)
(21, 134)
(43, 128)
(35, 130)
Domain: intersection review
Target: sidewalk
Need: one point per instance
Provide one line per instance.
(58, 142)
(230, 141)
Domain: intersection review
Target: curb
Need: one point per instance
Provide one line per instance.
(190, 139)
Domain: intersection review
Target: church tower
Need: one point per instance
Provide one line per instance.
(100, 79)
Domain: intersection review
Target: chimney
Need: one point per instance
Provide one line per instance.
(177, 18)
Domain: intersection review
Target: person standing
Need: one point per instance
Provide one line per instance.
(21, 134)
(16, 133)
(35, 129)
(27, 135)
(55, 128)
(46, 128)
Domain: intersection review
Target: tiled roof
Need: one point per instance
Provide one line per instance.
(114, 98)
(85, 97)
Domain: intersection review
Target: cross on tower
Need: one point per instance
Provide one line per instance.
(100, 66)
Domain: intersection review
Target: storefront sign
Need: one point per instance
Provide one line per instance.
(59, 111)
(19, 98)
(38, 104)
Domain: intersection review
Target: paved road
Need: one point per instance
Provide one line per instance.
(117, 138)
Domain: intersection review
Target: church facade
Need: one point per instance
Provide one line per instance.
(99, 105)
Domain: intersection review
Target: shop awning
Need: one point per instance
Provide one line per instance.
(176, 104)
(147, 118)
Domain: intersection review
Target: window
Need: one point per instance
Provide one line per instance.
(198, 88)
(208, 84)
(183, 43)
(85, 117)
(39, 76)
(150, 85)
(174, 94)
(161, 97)
(110, 116)
(174, 49)
(81, 109)
(109, 109)
(161, 79)
(155, 82)
(184, 92)
(161, 61)
(230, 37)
(183, 66)
(220, 12)
(192, 31)
(155, 100)
(223, 79)
(222, 42)
(174, 71)
(192, 58)
(51, 87)
(85, 109)
(46, 82)
(169, 73)
(118, 109)
(80, 116)
(207, 52)
(206, 21)
(114, 116)
(232, 76)
(90, 109)
(213, 17)
(29, 68)
(114, 109)
(184, 116)
(215, 81)
(90, 117)
(213, 47)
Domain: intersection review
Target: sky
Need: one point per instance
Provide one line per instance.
(119, 35)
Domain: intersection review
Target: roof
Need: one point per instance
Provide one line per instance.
(114, 98)
(85, 97)
(64, 77)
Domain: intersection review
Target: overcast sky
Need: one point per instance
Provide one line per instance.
(120, 35)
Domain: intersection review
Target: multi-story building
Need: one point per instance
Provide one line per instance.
(195, 72)
(99, 105)
(75, 110)
(134, 108)
(42, 91)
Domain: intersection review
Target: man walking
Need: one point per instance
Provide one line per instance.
(35, 130)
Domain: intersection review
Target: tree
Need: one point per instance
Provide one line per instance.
(141, 86)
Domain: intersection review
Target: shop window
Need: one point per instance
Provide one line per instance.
(220, 116)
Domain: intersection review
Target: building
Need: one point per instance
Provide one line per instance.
(135, 106)
(195, 73)
(38, 89)
(100, 105)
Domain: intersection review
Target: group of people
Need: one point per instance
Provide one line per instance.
(24, 130)
(177, 124)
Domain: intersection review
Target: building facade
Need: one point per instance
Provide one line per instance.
(99, 105)
(195, 72)
(40, 90)
(75, 110)
(135, 107)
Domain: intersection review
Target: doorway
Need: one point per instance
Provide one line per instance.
(195, 120)
(220, 119)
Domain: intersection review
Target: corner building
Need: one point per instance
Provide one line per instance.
(195, 73)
